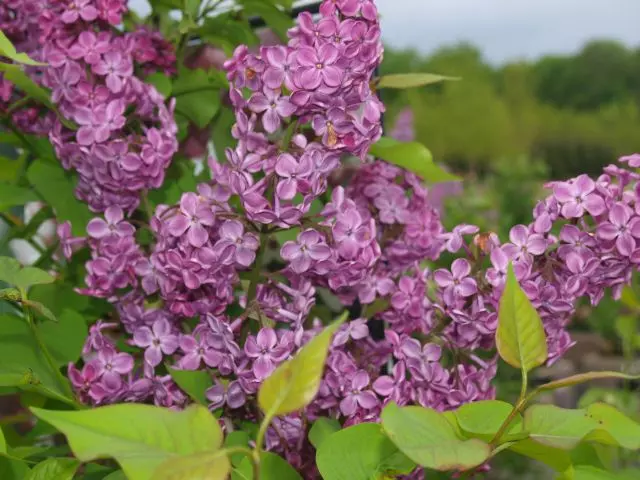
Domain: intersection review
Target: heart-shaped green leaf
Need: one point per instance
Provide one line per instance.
(411, 80)
(565, 428)
(54, 469)
(412, 156)
(295, 383)
(139, 437)
(427, 438)
(360, 452)
(520, 337)
(484, 418)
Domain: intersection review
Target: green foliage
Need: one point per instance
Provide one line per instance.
(428, 438)
(277, 20)
(272, 467)
(13, 273)
(197, 95)
(8, 50)
(360, 452)
(56, 188)
(161, 437)
(412, 156)
(16, 75)
(520, 337)
(322, 428)
(12, 195)
(54, 469)
(295, 382)
(411, 80)
(193, 382)
(563, 428)
(483, 419)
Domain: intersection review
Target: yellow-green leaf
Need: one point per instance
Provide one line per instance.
(584, 377)
(427, 438)
(8, 50)
(412, 80)
(483, 419)
(412, 156)
(520, 337)
(139, 437)
(198, 466)
(295, 383)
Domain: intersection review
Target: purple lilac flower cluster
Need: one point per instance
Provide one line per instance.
(221, 289)
(125, 135)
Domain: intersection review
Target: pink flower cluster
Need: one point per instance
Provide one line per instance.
(240, 271)
(125, 135)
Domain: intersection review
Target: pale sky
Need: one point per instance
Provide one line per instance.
(505, 29)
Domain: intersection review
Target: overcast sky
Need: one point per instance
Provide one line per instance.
(505, 29)
(509, 29)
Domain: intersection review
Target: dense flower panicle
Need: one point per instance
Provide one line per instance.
(237, 273)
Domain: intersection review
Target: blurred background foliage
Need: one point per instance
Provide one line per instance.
(573, 114)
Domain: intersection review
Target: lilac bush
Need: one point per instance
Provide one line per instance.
(238, 272)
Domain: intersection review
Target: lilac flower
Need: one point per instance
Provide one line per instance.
(351, 234)
(457, 281)
(454, 240)
(76, 9)
(577, 196)
(309, 248)
(236, 246)
(89, 47)
(356, 329)
(267, 351)
(157, 340)
(68, 242)
(112, 225)
(197, 351)
(524, 244)
(357, 396)
(192, 219)
(87, 381)
(621, 227)
(317, 66)
(220, 395)
(393, 386)
(273, 108)
(392, 205)
(117, 69)
(111, 365)
(278, 61)
(293, 174)
(575, 241)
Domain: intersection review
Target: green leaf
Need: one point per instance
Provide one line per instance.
(565, 428)
(41, 309)
(322, 428)
(520, 336)
(11, 196)
(197, 466)
(272, 467)
(51, 182)
(226, 31)
(54, 469)
(16, 75)
(22, 364)
(484, 418)
(584, 377)
(13, 273)
(412, 156)
(117, 475)
(427, 438)
(9, 171)
(197, 95)
(295, 383)
(411, 80)
(3, 442)
(59, 297)
(557, 459)
(237, 438)
(221, 134)
(8, 50)
(587, 472)
(161, 82)
(360, 452)
(11, 469)
(275, 19)
(139, 437)
(65, 338)
(194, 382)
